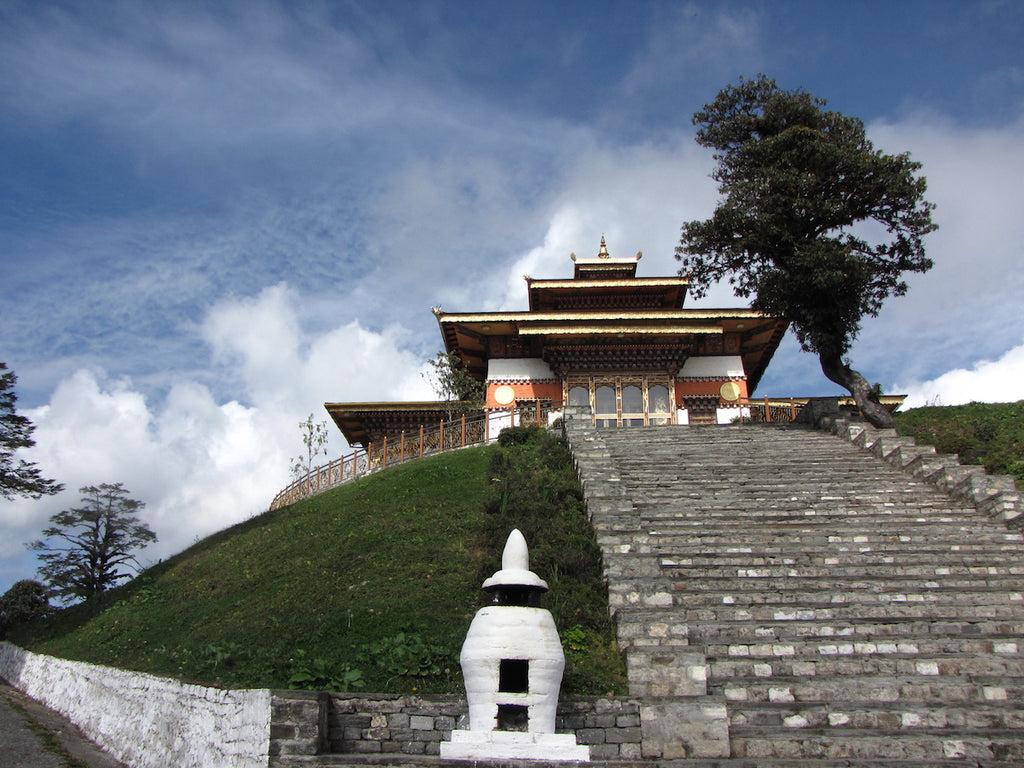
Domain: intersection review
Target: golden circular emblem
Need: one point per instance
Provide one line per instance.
(730, 391)
(504, 395)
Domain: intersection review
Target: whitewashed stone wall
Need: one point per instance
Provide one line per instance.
(146, 721)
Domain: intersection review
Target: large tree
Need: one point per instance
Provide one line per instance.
(18, 477)
(815, 224)
(90, 548)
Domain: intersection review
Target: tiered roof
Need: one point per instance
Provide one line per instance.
(607, 319)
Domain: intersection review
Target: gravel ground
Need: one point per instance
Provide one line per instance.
(31, 736)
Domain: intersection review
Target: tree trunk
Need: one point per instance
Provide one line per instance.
(874, 412)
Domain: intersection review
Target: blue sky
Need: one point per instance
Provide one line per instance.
(214, 217)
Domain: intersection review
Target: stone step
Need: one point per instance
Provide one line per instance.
(882, 581)
(778, 575)
(663, 544)
(844, 613)
(710, 634)
(833, 647)
(888, 522)
(858, 486)
(666, 593)
(880, 747)
(864, 689)
(715, 575)
(766, 508)
(901, 716)
(976, 666)
(802, 538)
(398, 760)
(743, 560)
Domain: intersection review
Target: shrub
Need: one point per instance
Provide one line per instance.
(990, 434)
(534, 487)
(26, 601)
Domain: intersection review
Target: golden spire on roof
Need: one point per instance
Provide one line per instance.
(603, 253)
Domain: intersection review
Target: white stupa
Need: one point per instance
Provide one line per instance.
(512, 663)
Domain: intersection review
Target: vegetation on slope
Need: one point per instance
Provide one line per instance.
(991, 434)
(368, 587)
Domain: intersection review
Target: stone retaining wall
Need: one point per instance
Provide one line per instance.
(303, 724)
(146, 721)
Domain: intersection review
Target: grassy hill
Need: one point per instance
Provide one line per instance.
(990, 434)
(368, 587)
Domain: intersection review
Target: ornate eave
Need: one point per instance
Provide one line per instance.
(478, 336)
(566, 359)
(364, 423)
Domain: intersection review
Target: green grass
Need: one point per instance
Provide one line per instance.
(370, 587)
(990, 434)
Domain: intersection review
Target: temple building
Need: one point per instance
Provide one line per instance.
(621, 344)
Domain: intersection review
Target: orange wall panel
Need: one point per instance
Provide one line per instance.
(709, 387)
(525, 390)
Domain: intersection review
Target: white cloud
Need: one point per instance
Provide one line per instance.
(987, 381)
(200, 465)
(969, 305)
(637, 196)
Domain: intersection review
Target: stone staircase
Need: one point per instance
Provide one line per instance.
(784, 596)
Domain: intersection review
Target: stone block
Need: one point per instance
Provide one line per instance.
(281, 731)
(421, 723)
(606, 752)
(630, 752)
(398, 721)
(590, 736)
(620, 735)
(365, 747)
(674, 730)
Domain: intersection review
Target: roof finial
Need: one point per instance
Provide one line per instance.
(603, 253)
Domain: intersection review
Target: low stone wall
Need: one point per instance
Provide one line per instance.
(146, 721)
(303, 724)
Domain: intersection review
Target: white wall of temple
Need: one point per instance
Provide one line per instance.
(717, 366)
(519, 369)
(723, 415)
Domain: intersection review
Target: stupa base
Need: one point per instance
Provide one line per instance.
(514, 745)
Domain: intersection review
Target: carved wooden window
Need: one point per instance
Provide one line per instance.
(623, 400)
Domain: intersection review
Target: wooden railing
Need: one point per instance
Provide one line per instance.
(768, 410)
(785, 410)
(480, 428)
(449, 434)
